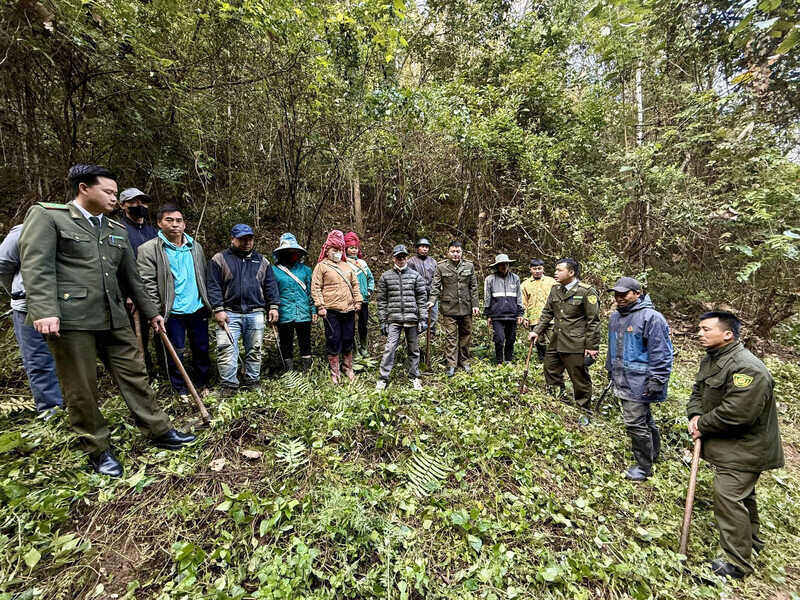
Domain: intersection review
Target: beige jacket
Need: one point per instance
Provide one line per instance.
(334, 286)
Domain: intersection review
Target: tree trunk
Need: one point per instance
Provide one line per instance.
(355, 184)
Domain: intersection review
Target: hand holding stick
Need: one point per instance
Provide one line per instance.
(170, 348)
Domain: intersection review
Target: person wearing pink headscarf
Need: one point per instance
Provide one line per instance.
(337, 296)
(366, 283)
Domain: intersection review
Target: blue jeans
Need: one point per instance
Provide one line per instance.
(249, 327)
(39, 364)
(195, 326)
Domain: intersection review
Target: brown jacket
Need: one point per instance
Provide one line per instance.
(334, 286)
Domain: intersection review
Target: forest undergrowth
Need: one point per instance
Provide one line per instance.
(306, 490)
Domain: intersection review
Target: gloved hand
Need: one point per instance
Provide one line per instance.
(384, 329)
(422, 326)
(654, 389)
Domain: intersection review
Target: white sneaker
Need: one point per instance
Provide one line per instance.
(417, 383)
(380, 385)
(185, 398)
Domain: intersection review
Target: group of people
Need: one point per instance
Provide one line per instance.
(84, 285)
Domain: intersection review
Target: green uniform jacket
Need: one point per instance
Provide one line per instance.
(574, 316)
(455, 286)
(72, 274)
(739, 420)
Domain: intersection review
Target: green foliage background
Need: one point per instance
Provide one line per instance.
(512, 125)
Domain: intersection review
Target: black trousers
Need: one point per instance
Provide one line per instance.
(339, 332)
(286, 332)
(363, 321)
(505, 335)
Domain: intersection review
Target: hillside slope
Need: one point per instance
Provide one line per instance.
(459, 491)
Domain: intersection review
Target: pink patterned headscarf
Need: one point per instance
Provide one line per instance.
(335, 240)
(351, 239)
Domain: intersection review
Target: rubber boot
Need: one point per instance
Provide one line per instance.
(347, 366)
(363, 349)
(289, 363)
(333, 362)
(643, 453)
(305, 363)
(656, 435)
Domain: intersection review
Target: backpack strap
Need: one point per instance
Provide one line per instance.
(349, 286)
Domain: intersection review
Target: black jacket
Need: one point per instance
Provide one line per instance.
(401, 297)
(138, 234)
(241, 284)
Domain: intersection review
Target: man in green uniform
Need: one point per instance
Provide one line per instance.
(455, 287)
(573, 314)
(733, 411)
(78, 268)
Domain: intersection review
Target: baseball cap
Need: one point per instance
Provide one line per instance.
(241, 230)
(626, 284)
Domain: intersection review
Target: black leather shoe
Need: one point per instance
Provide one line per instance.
(451, 371)
(106, 464)
(174, 440)
(725, 569)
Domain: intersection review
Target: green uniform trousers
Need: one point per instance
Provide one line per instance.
(737, 515)
(75, 353)
(457, 335)
(554, 365)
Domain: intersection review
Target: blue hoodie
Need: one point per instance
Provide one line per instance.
(639, 358)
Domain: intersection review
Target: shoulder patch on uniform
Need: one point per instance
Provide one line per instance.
(742, 380)
(53, 205)
(585, 286)
(591, 299)
(117, 223)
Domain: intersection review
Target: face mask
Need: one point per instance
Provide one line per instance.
(337, 256)
(138, 212)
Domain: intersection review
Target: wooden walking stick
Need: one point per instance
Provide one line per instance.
(137, 329)
(229, 334)
(171, 349)
(525, 374)
(278, 344)
(235, 348)
(428, 342)
(687, 511)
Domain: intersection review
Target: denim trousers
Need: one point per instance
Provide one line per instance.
(39, 364)
(195, 327)
(249, 328)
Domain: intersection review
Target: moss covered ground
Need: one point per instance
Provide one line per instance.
(306, 490)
